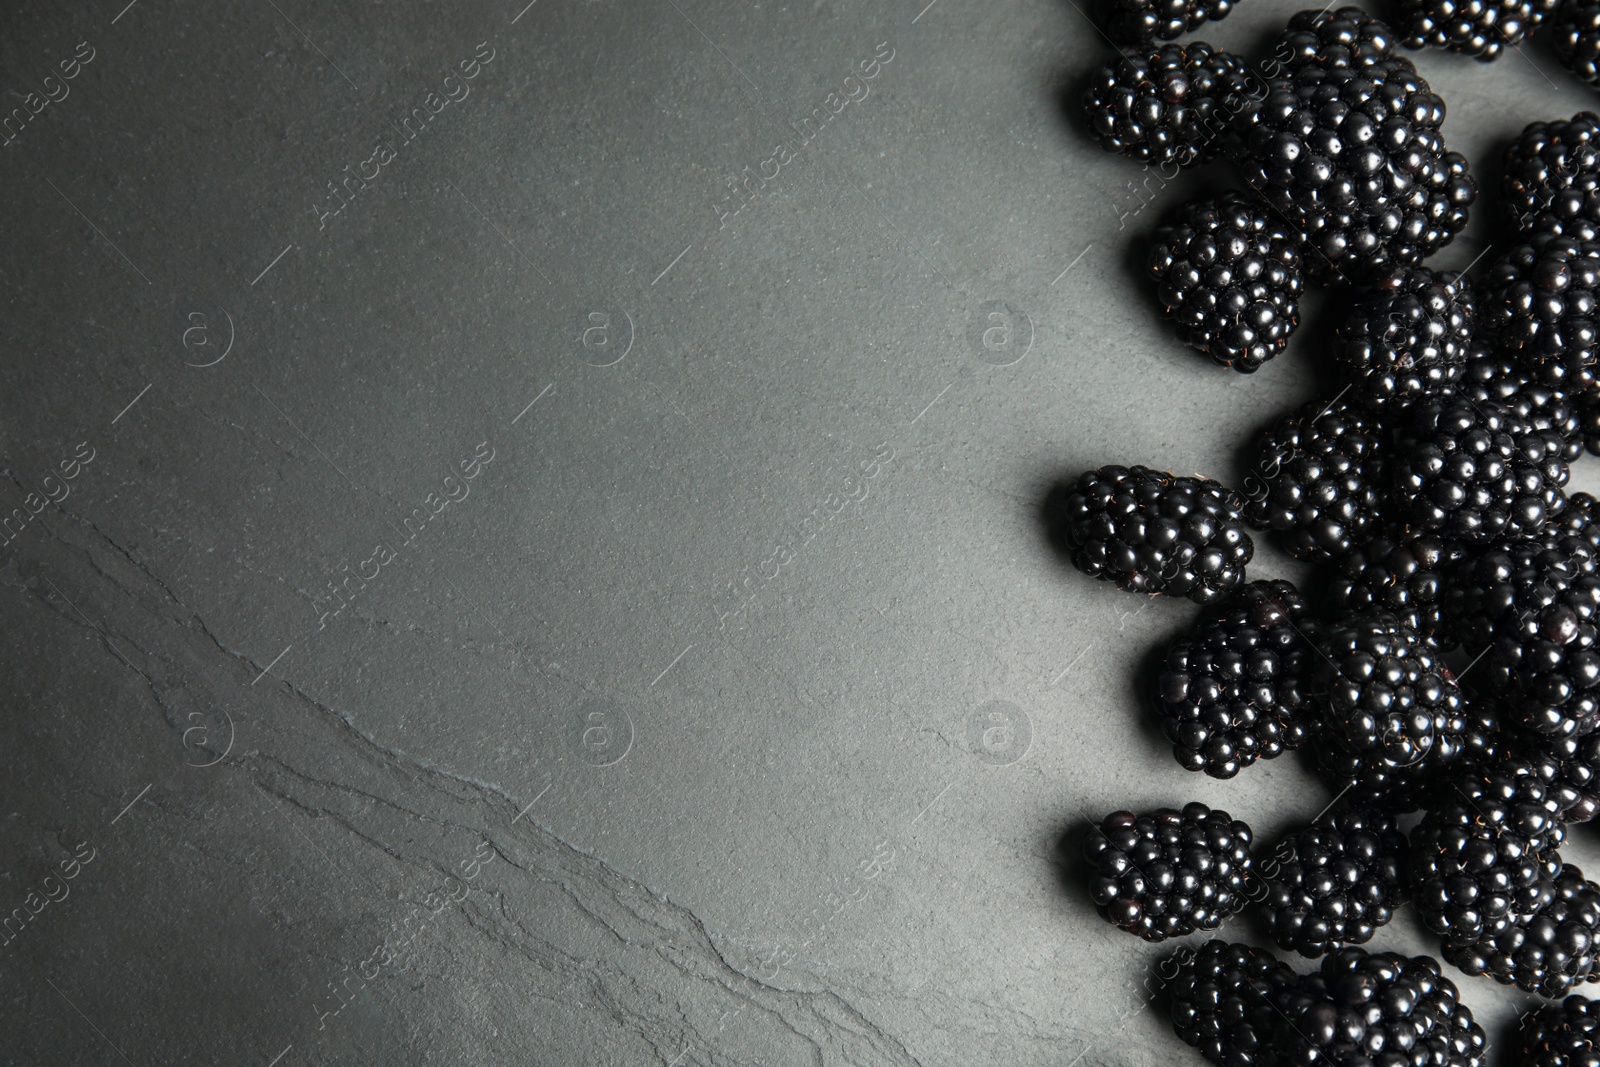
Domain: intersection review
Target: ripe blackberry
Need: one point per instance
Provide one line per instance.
(1346, 37)
(1408, 337)
(1477, 28)
(1581, 519)
(1318, 479)
(1560, 1035)
(1552, 174)
(1229, 692)
(1575, 31)
(1532, 610)
(1539, 305)
(1228, 273)
(1547, 951)
(1377, 1008)
(1336, 883)
(1390, 712)
(1472, 471)
(1149, 531)
(1567, 767)
(1168, 873)
(1162, 107)
(1220, 1000)
(1403, 578)
(1354, 160)
(1586, 401)
(1502, 379)
(1136, 22)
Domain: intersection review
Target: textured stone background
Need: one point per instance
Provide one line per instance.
(735, 711)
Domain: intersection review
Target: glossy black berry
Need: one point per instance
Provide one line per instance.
(1334, 882)
(1552, 174)
(1559, 1035)
(1546, 951)
(1503, 379)
(1407, 337)
(1220, 998)
(1478, 28)
(1168, 873)
(1142, 21)
(1227, 273)
(1331, 37)
(1149, 531)
(1539, 303)
(1404, 578)
(1575, 31)
(1166, 107)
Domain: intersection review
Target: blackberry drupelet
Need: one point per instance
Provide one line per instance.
(1168, 873)
(1319, 479)
(1230, 691)
(1404, 578)
(1346, 37)
(1545, 952)
(1336, 883)
(1390, 713)
(1575, 31)
(1220, 1000)
(1377, 1008)
(1478, 28)
(1538, 304)
(1560, 1035)
(1532, 610)
(1229, 274)
(1502, 379)
(1552, 172)
(1407, 337)
(1135, 22)
(1163, 106)
(1472, 471)
(1149, 531)
(1354, 160)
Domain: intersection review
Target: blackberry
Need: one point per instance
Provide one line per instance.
(1477, 28)
(1403, 578)
(1532, 611)
(1153, 532)
(1136, 22)
(1408, 336)
(1228, 273)
(1346, 37)
(1391, 713)
(1162, 107)
(1221, 1001)
(1377, 1008)
(1560, 1035)
(1503, 380)
(1335, 884)
(1580, 520)
(1552, 174)
(1547, 951)
(1229, 692)
(1472, 471)
(1568, 767)
(1575, 30)
(1353, 159)
(1539, 304)
(1586, 400)
(1168, 873)
(1318, 479)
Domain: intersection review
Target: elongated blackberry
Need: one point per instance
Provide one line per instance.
(1162, 107)
(1575, 30)
(1230, 691)
(1478, 28)
(1221, 1001)
(1334, 883)
(1406, 337)
(1404, 578)
(1318, 479)
(1153, 532)
(1342, 37)
(1141, 21)
(1539, 304)
(1532, 611)
(1502, 379)
(1391, 714)
(1547, 951)
(1228, 273)
(1560, 1035)
(1168, 873)
(1552, 174)
(1472, 471)
(1377, 1008)
(1354, 160)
